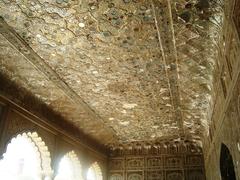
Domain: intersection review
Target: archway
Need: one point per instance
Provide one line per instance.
(226, 164)
(69, 168)
(94, 172)
(26, 157)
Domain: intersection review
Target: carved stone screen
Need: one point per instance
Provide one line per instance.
(157, 165)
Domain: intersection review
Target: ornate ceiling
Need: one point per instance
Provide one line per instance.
(119, 70)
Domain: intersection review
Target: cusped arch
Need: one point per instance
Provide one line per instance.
(69, 167)
(44, 153)
(94, 172)
(17, 150)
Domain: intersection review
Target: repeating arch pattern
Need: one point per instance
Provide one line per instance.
(42, 159)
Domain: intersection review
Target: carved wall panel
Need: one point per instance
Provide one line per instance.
(135, 163)
(154, 175)
(154, 162)
(135, 175)
(194, 160)
(174, 175)
(158, 167)
(116, 177)
(174, 162)
(117, 164)
(17, 124)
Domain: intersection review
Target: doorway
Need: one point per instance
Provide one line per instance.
(226, 164)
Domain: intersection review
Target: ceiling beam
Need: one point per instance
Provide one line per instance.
(164, 24)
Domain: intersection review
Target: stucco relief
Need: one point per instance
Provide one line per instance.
(117, 164)
(174, 161)
(161, 166)
(174, 175)
(135, 176)
(155, 162)
(134, 163)
(18, 124)
(155, 175)
(194, 160)
(116, 177)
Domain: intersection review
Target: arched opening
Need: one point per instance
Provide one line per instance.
(69, 168)
(26, 157)
(226, 164)
(94, 172)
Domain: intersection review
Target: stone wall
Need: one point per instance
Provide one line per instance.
(15, 120)
(225, 122)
